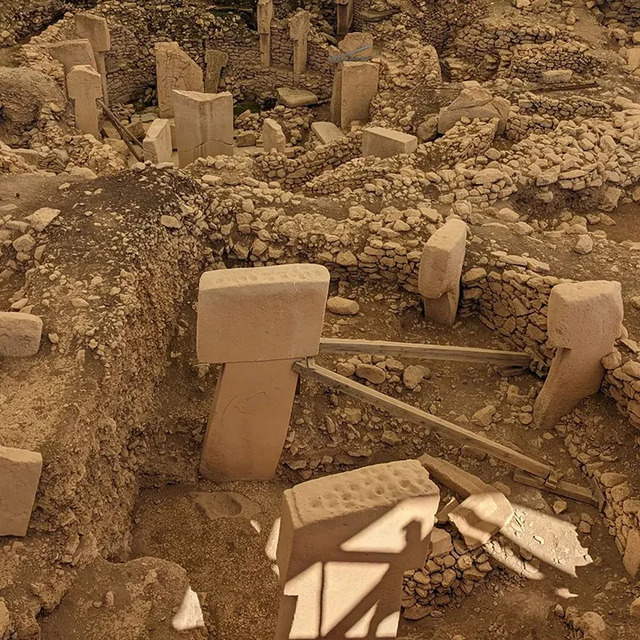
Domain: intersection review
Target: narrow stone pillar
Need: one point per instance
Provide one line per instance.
(157, 144)
(441, 271)
(96, 31)
(357, 41)
(73, 53)
(175, 70)
(584, 319)
(299, 26)
(257, 322)
(344, 16)
(204, 125)
(345, 541)
(19, 477)
(215, 61)
(273, 136)
(84, 85)
(265, 16)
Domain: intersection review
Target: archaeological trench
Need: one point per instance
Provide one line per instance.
(319, 319)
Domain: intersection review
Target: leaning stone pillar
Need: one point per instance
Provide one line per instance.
(273, 137)
(175, 70)
(84, 85)
(299, 26)
(204, 125)
(265, 16)
(96, 31)
(345, 541)
(584, 320)
(441, 270)
(257, 322)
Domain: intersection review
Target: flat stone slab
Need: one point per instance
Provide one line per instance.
(327, 132)
(20, 335)
(296, 97)
(19, 477)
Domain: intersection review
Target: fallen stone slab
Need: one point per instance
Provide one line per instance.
(481, 516)
(42, 218)
(19, 477)
(327, 132)
(296, 97)
(20, 334)
(384, 143)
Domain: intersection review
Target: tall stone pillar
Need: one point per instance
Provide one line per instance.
(441, 270)
(84, 85)
(352, 95)
(95, 29)
(583, 321)
(345, 541)
(257, 323)
(174, 70)
(204, 125)
(344, 16)
(299, 26)
(215, 61)
(265, 16)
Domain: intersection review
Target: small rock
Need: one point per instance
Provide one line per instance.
(584, 245)
(171, 222)
(342, 306)
(484, 416)
(413, 375)
(371, 373)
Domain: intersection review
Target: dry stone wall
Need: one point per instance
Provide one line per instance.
(623, 11)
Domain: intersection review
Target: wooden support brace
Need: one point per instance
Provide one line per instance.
(411, 414)
(425, 351)
(562, 488)
(128, 138)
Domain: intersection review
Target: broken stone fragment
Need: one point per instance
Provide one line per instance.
(20, 334)
(413, 375)
(42, 218)
(371, 373)
(342, 306)
(20, 470)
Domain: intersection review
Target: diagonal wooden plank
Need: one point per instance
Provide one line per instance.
(411, 414)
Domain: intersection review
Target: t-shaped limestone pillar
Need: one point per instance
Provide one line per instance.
(215, 61)
(273, 136)
(584, 320)
(204, 125)
(345, 541)
(174, 70)
(265, 16)
(84, 85)
(441, 270)
(256, 322)
(157, 145)
(73, 53)
(95, 29)
(299, 26)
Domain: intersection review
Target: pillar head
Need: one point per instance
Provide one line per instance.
(84, 83)
(260, 314)
(95, 29)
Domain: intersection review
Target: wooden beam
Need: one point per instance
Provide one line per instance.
(128, 138)
(425, 351)
(565, 489)
(411, 414)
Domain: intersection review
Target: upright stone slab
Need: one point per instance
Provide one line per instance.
(299, 26)
(96, 30)
(360, 42)
(345, 541)
(265, 16)
(358, 87)
(215, 61)
(175, 70)
(157, 144)
(204, 125)
(384, 143)
(256, 322)
(273, 137)
(344, 16)
(73, 53)
(441, 270)
(20, 334)
(19, 477)
(84, 85)
(584, 319)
